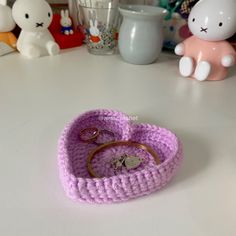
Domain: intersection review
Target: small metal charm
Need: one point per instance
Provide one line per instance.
(129, 162)
(132, 162)
(118, 163)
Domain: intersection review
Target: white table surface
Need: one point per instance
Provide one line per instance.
(38, 97)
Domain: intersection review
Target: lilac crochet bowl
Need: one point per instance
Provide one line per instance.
(126, 184)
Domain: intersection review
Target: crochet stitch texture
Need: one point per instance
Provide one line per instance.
(125, 184)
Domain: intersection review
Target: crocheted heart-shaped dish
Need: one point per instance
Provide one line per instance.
(115, 185)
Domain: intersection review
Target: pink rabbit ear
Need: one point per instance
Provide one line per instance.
(67, 13)
(3, 2)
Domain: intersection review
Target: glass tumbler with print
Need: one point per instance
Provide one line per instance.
(101, 25)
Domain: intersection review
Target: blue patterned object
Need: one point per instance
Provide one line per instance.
(175, 24)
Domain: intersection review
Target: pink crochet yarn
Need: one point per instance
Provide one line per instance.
(122, 185)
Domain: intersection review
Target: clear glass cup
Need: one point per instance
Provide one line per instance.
(101, 25)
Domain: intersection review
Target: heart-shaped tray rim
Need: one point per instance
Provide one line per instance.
(130, 128)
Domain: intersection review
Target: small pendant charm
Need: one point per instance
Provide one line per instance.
(132, 162)
(129, 162)
(117, 163)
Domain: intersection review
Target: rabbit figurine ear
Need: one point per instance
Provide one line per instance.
(3, 2)
(95, 23)
(91, 23)
(67, 13)
(62, 13)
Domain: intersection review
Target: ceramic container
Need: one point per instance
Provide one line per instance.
(141, 33)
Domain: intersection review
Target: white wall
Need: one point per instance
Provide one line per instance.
(57, 1)
(50, 1)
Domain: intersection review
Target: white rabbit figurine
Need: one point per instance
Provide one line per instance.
(94, 32)
(66, 23)
(7, 24)
(34, 17)
(206, 55)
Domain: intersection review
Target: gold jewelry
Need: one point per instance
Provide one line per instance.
(95, 133)
(105, 131)
(115, 144)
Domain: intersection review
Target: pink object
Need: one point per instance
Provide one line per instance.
(207, 55)
(184, 32)
(213, 52)
(126, 184)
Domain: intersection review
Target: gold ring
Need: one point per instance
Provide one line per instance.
(115, 144)
(95, 133)
(105, 131)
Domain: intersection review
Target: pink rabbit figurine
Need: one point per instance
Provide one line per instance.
(207, 54)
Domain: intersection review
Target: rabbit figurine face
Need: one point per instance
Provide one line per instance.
(33, 16)
(7, 23)
(213, 20)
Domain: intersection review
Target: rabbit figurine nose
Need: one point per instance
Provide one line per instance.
(39, 24)
(204, 29)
